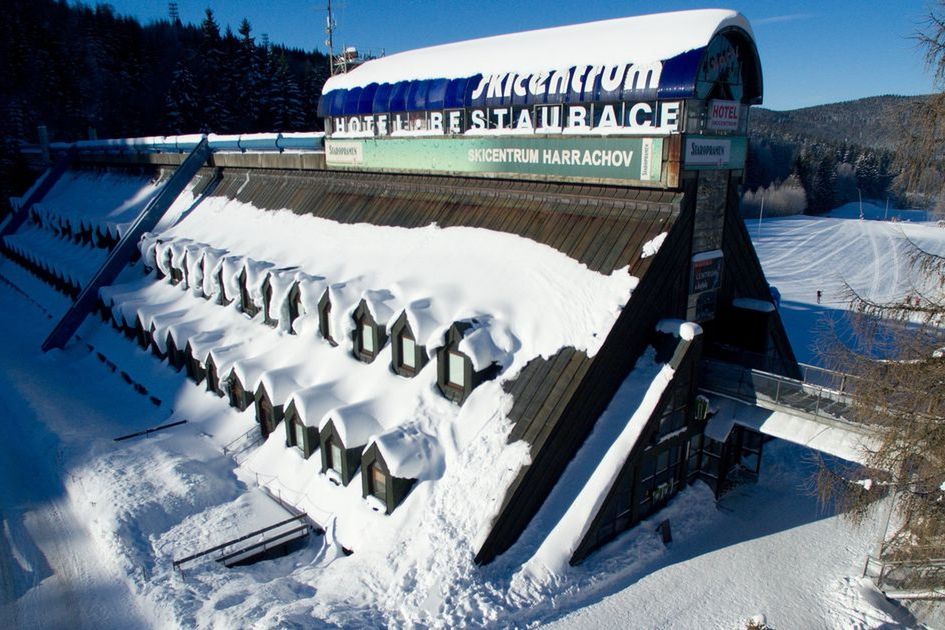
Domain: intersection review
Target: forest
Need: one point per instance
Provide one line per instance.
(84, 71)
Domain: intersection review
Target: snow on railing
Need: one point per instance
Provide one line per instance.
(277, 489)
(296, 141)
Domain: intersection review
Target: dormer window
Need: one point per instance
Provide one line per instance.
(390, 469)
(268, 318)
(369, 336)
(246, 301)
(456, 370)
(324, 319)
(293, 306)
(407, 357)
(377, 482)
(456, 373)
(222, 300)
(213, 378)
(367, 339)
(335, 457)
(176, 274)
(408, 351)
(268, 414)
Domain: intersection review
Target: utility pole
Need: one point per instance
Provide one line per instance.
(886, 216)
(861, 202)
(762, 214)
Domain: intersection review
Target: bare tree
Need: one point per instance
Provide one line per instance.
(922, 150)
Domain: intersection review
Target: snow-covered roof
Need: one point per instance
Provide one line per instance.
(671, 43)
(752, 304)
(527, 300)
(488, 343)
(409, 453)
(312, 403)
(355, 423)
(635, 39)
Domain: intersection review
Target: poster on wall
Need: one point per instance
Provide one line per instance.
(581, 158)
(705, 279)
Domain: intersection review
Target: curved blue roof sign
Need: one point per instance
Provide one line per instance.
(623, 76)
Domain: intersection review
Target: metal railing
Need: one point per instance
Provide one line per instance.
(753, 385)
(243, 442)
(907, 579)
(222, 548)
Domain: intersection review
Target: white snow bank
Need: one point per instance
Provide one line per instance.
(487, 343)
(108, 202)
(535, 300)
(312, 403)
(637, 39)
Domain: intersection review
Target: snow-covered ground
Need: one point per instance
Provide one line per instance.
(90, 526)
(804, 254)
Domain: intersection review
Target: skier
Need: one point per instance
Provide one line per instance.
(819, 295)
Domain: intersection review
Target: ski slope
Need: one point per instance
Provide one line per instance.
(90, 526)
(803, 254)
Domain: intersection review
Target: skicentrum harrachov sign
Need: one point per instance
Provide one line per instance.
(620, 158)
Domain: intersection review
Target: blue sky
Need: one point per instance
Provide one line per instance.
(812, 52)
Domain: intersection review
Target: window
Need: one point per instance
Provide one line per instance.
(378, 482)
(456, 370)
(408, 352)
(367, 338)
(334, 457)
(324, 321)
(300, 435)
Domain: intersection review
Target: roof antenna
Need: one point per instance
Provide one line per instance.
(330, 26)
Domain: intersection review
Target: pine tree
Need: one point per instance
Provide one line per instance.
(183, 110)
(246, 70)
(213, 98)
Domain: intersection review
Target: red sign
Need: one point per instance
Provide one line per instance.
(723, 115)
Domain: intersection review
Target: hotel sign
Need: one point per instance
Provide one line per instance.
(723, 115)
(580, 158)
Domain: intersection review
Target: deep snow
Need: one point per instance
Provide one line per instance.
(125, 510)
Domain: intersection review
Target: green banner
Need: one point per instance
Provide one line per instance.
(607, 158)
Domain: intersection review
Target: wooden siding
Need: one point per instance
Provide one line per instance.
(558, 400)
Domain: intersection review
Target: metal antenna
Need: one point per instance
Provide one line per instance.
(330, 26)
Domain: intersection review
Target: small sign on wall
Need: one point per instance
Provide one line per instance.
(704, 281)
(715, 152)
(706, 271)
(723, 115)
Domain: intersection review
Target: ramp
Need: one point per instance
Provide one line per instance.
(123, 252)
(815, 412)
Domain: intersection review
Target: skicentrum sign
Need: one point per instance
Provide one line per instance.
(623, 159)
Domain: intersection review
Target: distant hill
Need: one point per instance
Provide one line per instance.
(834, 152)
(873, 122)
